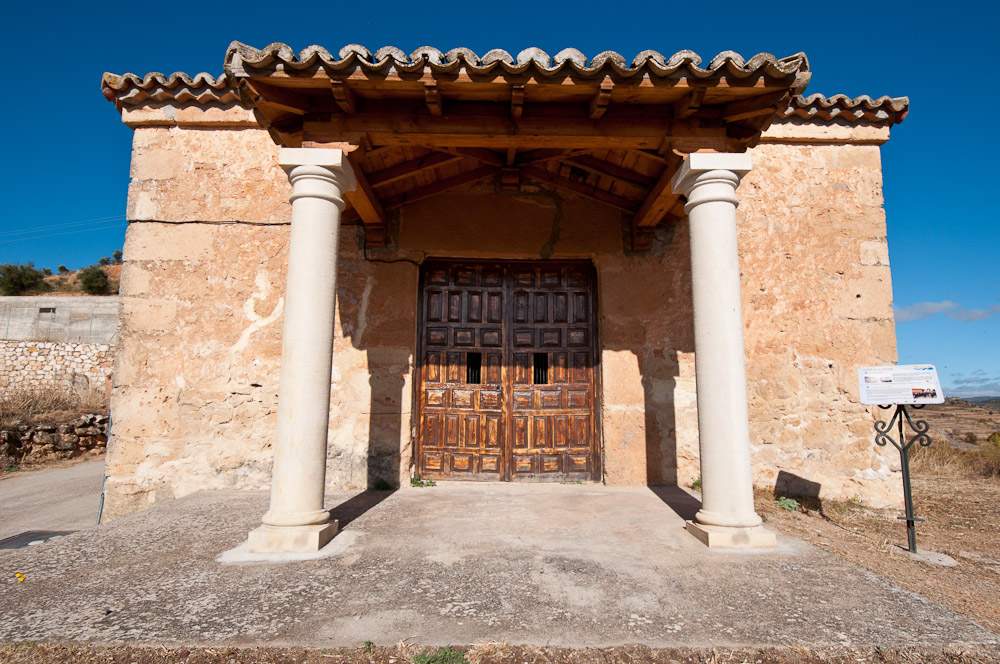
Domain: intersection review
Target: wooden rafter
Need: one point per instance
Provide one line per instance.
(440, 186)
(280, 100)
(607, 169)
(660, 200)
(599, 104)
(546, 154)
(585, 190)
(411, 168)
(344, 96)
(367, 205)
(488, 157)
(754, 107)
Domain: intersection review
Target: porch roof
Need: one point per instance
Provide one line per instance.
(606, 128)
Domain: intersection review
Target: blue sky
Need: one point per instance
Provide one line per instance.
(65, 166)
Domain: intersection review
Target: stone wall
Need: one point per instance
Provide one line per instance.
(57, 342)
(38, 365)
(30, 444)
(197, 374)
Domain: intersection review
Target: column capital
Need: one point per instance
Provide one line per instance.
(322, 173)
(706, 177)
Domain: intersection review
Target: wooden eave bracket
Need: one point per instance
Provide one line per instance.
(433, 99)
(690, 103)
(517, 102)
(599, 104)
(344, 96)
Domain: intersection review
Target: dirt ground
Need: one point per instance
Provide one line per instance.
(962, 520)
(485, 654)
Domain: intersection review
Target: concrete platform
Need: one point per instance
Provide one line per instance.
(557, 565)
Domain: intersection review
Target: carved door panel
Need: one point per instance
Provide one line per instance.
(461, 404)
(507, 377)
(552, 357)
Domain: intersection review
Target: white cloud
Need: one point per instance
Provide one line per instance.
(949, 308)
(923, 310)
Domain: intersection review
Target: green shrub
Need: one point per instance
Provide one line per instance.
(20, 279)
(441, 656)
(789, 504)
(117, 257)
(62, 269)
(417, 482)
(994, 438)
(93, 280)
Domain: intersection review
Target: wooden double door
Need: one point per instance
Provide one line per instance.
(507, 372)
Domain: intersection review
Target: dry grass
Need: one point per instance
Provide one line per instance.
(943, 460)
(48, 405)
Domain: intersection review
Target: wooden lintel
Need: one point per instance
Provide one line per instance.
(460, 130)
(440, 186)
(607, 169)
(432, 97)
(754, 107)
(408, 169)
(365, 203)
(343, 96)
(593, 193)
(599, 104)
(517, 102)
(659, 201)
(689, 104)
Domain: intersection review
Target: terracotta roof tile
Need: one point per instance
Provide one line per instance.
(851, 110)
(155, 88)
(241, 57)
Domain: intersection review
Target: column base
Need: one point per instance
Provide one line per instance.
(291, 539)
(727, 537)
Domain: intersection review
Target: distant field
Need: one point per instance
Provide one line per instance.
(954, 421)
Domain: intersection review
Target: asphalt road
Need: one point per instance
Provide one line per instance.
(40, 504)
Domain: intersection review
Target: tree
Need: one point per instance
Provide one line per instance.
(117, 256)
(93, 280)
(62, 269)
(20, 279)
(994, 438)
(105, 261)
(47, 272)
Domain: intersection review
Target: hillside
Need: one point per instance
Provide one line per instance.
(69, 284)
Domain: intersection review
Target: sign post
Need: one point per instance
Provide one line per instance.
(897, 387)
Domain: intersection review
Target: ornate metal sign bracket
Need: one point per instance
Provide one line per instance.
(903, 444)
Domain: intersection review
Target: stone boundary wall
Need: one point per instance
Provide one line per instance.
(58, 342)
(35, 365)
(32, 444)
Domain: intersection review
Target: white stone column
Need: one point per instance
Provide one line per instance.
(727, 518)
(296, 521)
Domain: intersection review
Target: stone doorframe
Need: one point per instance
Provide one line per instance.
(296, 522)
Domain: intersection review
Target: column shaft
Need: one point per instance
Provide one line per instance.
(296, 520)
(709, 182)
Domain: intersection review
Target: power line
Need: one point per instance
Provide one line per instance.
(70, 224)
(102, 226)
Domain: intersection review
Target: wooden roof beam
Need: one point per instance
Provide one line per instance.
(585, 190)
(754, 107)
(411, 168)
(660, 200)
(482, 155)
(440, 186)
(599, 104)
(607, 169)
(495, 131)
(344, 96)
(367, 205)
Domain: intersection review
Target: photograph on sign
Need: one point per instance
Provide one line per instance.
(900, 384)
